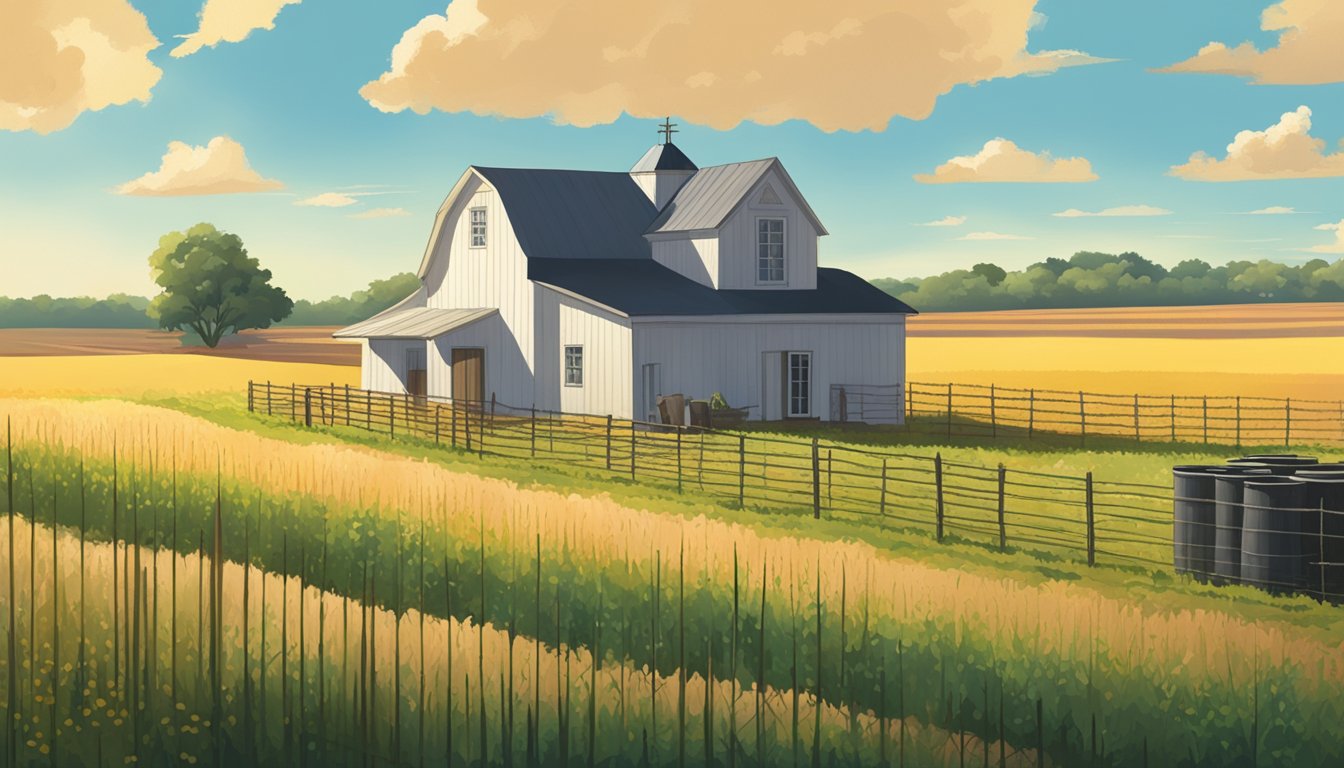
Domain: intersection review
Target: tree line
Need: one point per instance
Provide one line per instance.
(1094, 279)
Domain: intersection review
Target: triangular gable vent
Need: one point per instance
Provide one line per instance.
(768, 196)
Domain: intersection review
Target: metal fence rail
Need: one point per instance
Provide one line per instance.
(989, 411)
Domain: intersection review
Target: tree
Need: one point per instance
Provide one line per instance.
(993, 273)
(212, 286)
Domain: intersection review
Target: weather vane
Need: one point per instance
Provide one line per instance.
(667, 129)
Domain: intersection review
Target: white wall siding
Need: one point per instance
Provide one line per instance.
(661, 186)
(694, 257)
(507, 376)
(383, 367)
(739, 357)
(605, 338)
(737, 240)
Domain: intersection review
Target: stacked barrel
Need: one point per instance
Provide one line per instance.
(1275, 522)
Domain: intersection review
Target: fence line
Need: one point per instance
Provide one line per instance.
(1075, 517)
(991, 411)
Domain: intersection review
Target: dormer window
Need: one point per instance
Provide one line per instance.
(769, 250)
(477, 227)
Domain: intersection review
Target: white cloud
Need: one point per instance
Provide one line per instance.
(1273, 210)
(61, 58)
(217, 168)
(1307, 51)
(380, 213)
(1327, 227)
(1123, 210)
(946, 221)
(991, 236)
(816, 62)
(1000, 160)
(1335, 247)
(230, 21)
(1285, 150)
(328, 200)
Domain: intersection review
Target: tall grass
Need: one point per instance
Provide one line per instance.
(332, 659)
(974, 654)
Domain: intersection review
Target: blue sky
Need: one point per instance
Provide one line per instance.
(291, 97)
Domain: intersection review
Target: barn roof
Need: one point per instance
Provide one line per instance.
(712, 194)
(413, 323)
(574, 214)
(663, 157)
(643, 287)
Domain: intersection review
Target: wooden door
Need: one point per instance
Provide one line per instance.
(417, 379)
(468, 375)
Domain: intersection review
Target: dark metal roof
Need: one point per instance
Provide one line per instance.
(705, 201)
(643, 287)
(574, 214)
(663, 157)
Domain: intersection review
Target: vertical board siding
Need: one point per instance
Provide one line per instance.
(384, 364)
(737, 241)
(700, 358)
(696, 258)
(605, 338)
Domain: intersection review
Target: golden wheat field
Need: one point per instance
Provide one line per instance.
(1277, 350)
(136, 375)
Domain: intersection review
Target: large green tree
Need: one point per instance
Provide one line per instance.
(211, 286)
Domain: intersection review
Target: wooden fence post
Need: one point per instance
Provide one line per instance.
(1031, 414)
(466, 426)
(1082, 418)
(1287, 420)
(938, 490)
(633, 449)
(250, 409)
(391, 415)
(492, 413)
(680, 429)
(909, 401)
(1003, 530)
(368, 411)
(1238, 421)
(949, 410)
(1173, 418)
(347, 405)
(882, 499)
(307, 407)
(993, 412)
(437, 410)
(608, 442)
(1091, 525)
(816, 481)
(1137, 438)
(532, 438)
(293, 402)
(268, 397)
(1206, 419)
(454, 423)
(741, 471)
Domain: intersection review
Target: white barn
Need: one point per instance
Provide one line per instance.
(597, 292)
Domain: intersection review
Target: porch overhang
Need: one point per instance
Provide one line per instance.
(414, 323)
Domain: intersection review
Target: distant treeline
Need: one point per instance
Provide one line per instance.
(1091, 279)
(124, 311)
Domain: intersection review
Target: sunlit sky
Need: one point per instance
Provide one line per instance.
(79, 215)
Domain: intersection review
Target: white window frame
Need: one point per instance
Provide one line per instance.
(789, 397)
(566, 368)
(783, 250)
(477, 237)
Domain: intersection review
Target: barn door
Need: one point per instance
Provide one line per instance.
(468, 375)
(653, 387)
(416, 374)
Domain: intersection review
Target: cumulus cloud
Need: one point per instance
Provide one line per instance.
(380, 213)
(1307, 51)
(1335, 247)
(710, 62)
(1002, 160)
(59, 58)
(1285, 150)
(946, 221)
(1123, 210)
(328, 200)
(230, 21)
(1273, 210)
(217, 168)
(991, 236)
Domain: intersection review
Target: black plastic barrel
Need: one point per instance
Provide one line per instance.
(1324, 532)
(1195, 519)
(1327, 467)
(1228, 498)
(1272, 535)
(1279, 464)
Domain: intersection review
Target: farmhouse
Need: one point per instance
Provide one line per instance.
(597, 292)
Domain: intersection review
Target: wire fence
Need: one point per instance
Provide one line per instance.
(1078, 518)
(989, 411)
